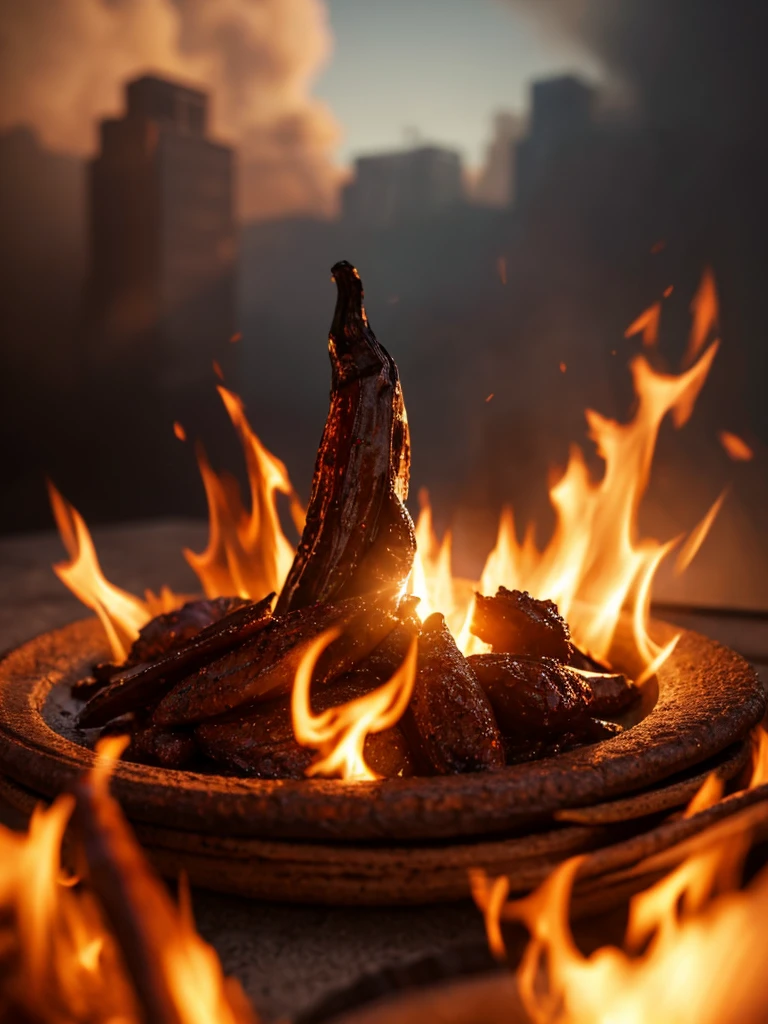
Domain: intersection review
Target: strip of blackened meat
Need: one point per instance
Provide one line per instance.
(161, 635)
(266, 667)
(608, 693)
(449, 722)
(534, 699)
(169, 749)
(140, 686)
(261, 741)
(513, 622)
(166, 632)
(358, 537)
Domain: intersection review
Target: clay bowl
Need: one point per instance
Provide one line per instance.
(705, 698)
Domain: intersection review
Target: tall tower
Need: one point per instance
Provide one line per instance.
(162, 237)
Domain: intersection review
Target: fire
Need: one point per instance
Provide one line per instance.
(121, 614)
(595, 565)
(646, 324)
(60, 958)
(339, 733)
(690, 943)
(248, 554)
(735, 447)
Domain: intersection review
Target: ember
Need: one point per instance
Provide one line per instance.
(365, 597)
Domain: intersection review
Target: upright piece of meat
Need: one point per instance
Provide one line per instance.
(358, 537)
(513, 622)
(449, 722)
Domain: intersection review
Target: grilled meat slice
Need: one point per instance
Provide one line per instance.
(266, 667)
(513, 622)
(168, 632)
(140, 686)
(449, 722)
(609, 693)
(534, 699)
(261, 742)
(358, 537)
(167, 748)
(516, 751)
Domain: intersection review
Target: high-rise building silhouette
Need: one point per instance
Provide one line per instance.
(162, 235)
(393, 187)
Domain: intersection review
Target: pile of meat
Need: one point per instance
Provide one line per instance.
(208, 685)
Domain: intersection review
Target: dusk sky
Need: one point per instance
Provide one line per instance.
(439, 66)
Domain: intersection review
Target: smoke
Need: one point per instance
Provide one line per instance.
(696, 66)
(64, 65)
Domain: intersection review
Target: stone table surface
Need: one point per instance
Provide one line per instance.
(287, 957)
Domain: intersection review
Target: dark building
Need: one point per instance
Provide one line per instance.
(561, 123)
(393, 187)
(162, 234)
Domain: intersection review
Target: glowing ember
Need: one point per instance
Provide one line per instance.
(704, 310)
(646, 324)
(180, 432)
(736, 448)
(339, 733)
(690, 945)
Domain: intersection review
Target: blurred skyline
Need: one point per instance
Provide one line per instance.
(399, 68)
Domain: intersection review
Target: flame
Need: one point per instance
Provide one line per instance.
(248, 554)
(179, 431)
(735, 447)
(705, 313)
(596, 564)
(646, 324)
(339, 733)
(690, 947)
(121, 614)
(59, 959)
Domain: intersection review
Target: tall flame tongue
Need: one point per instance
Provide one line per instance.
(691, 948)
(248, 554)
(122, 615)
(595, 563)
(111, 948)
(339, 733)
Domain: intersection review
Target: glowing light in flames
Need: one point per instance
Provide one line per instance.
(594, 565)
(339, 733)
(735, 447)
(60, 961)
(121, 614)
(691, 946)
(646, 324)
(248, 554)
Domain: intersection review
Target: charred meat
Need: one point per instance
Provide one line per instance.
(535, 700)
(449, 721)
(266, 666)
(513, 622)
(358, 537)
(137, 687)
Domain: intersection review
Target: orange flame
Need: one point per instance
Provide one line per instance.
(692, 945)
(59, 959)
(339, 733)
(736, 448)
(594, 564)
(704, 309)
(646, 324)
(248, 554)
(122, 615)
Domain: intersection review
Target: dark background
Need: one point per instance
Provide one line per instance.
(684, 163)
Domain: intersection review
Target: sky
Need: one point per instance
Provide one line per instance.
(441, 67)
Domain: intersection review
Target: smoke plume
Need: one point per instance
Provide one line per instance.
(64, 65)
